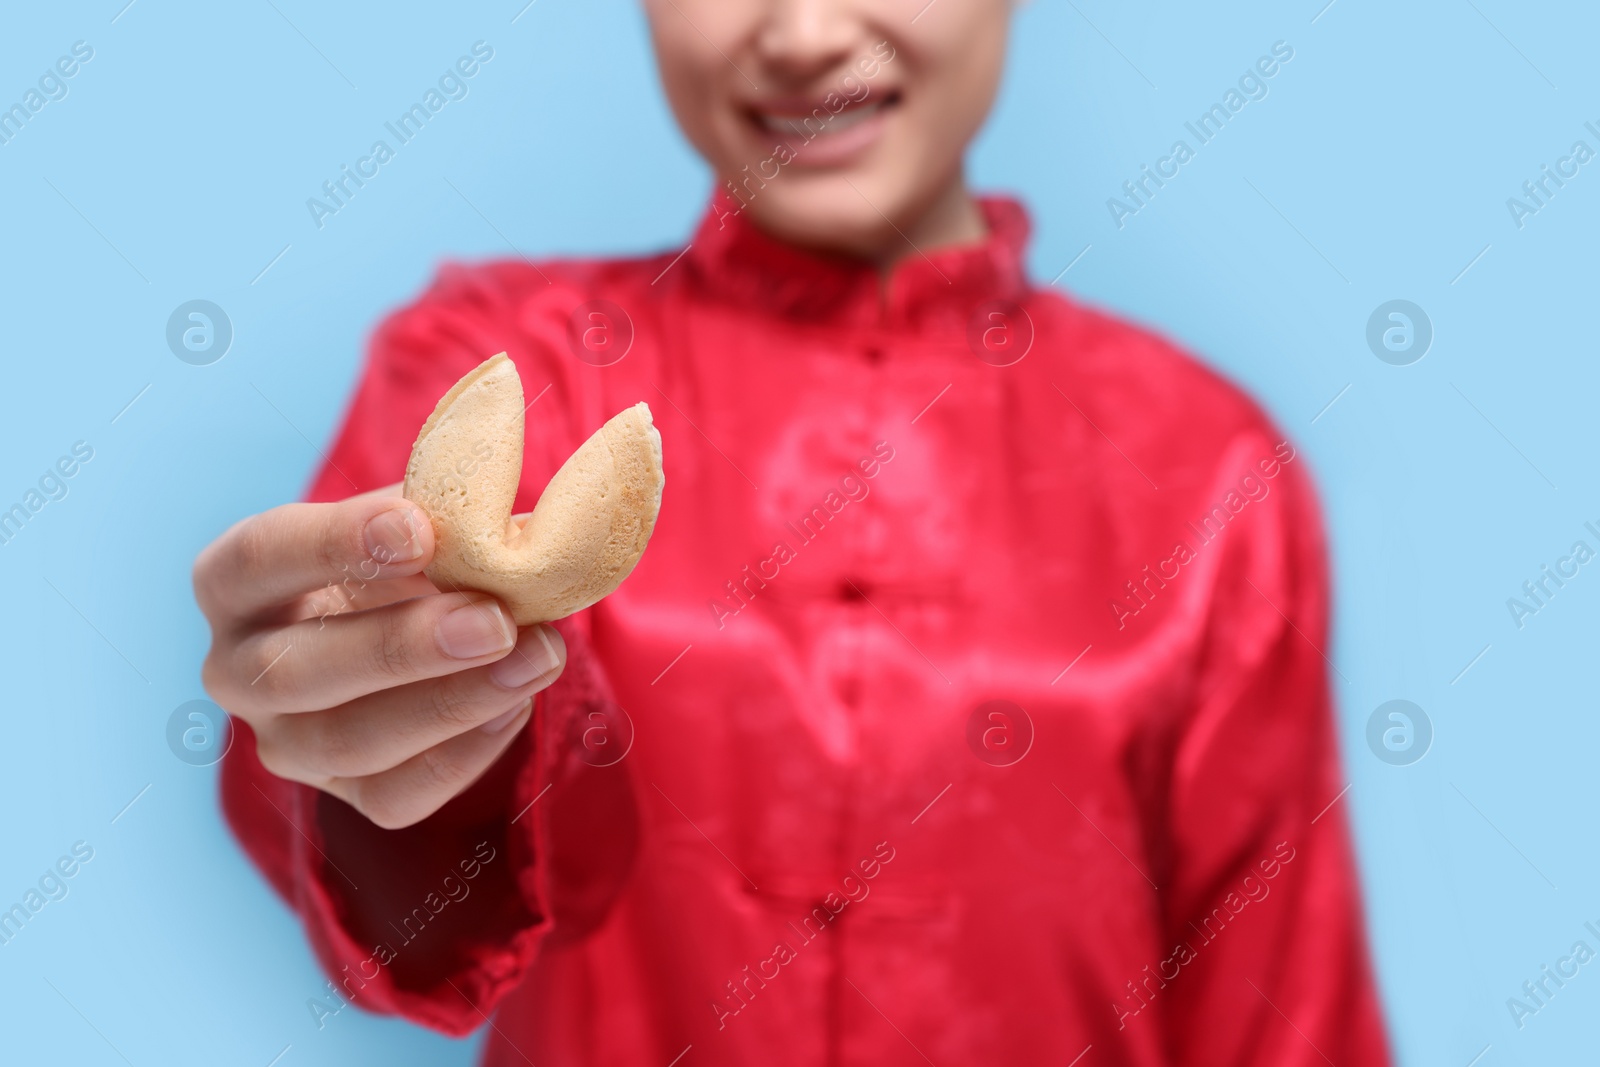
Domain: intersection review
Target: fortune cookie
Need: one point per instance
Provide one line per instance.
(587, 531)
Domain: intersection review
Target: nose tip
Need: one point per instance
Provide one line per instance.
(806, 37)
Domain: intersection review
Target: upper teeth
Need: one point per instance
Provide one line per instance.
(813, 125)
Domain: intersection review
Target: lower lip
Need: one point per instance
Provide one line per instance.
(833, 149)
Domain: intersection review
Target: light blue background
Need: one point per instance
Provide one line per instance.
(1381, 162)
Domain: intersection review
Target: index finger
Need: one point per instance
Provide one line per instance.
(268, 560)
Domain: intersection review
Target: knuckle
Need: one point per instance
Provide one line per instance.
(388, 809)
(261, 672)
(326, 550)
(437, 773)
(386, 818)
(273, 755)
(373, 803)
(202, 578)
(332, 748)
(394, 654)
(248, 548)
(337, 543)
(220, 677)
(215, 679)
(451, 705)
(219, 563)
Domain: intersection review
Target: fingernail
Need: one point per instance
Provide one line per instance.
(479, 629)
(537, 654)
(391, 536)
(500, 722)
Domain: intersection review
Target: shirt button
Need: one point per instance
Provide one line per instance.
(849, 690)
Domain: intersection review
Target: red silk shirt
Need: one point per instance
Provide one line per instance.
(968, 707)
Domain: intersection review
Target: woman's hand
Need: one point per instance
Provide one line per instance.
(357, 675)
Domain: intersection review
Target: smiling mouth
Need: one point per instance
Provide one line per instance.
(819, 121)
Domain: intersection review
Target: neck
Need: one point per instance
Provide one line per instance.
(953, 218)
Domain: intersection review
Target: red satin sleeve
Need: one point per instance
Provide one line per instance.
(1266, 960)
(437, 921)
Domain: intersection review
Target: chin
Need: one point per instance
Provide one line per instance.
(825, 213)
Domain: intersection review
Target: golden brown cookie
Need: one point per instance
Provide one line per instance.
(581, 540)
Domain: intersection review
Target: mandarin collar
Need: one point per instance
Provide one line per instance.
(733, 260)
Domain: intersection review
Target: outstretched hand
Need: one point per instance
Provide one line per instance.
(358, 676)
